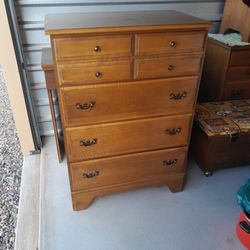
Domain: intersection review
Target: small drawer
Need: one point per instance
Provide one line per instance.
(167, 67)
(96, 141)
(94, 72)
(240, 58)
(239, 90)
(127, 168)
(169, 42)
(238, 74)
(92, 47)
(113, 102)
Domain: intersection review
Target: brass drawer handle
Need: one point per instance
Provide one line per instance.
(170, 67)
(173, 131)
(237, 92)
(88, 143)
(172, 44)
(170, 162)
(98, 74)
(90, 175)
(178, 96)
(87, 106)
(97, 48)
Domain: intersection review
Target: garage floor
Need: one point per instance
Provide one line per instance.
(202, 217)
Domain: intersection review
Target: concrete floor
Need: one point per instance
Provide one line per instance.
(27, 229)
(202, 217)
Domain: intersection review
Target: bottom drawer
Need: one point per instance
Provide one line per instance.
(239, 90)
(122, 169)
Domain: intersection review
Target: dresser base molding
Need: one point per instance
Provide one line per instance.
(82, 200)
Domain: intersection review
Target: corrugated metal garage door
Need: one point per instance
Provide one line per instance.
(30, 16)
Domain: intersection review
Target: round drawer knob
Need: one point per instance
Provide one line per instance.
(97, 48)
(98, 74)
(170, 67)
(172, 44)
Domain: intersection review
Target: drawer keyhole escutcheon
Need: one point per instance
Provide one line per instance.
(87, 106)
(98, 74)
(170, 162)
(178, 96)
(97, 48)
(90, 175)
(88, 143)
(173, 131)
(170, 67)
(172, 44)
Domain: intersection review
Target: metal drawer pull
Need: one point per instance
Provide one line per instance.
(170, 162)
(237, 92)
(90, 175)
(98, 74)
(178, 96)
(173, 44)
(88, 143)
(173, 131)
(170, 67)
(97, 48)
(87, 106)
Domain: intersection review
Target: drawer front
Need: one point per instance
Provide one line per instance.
(239, 58)
(110, 139)
(169, 42)
(94, 72)
(128, 168)
(112, 102)
(92, 47)
(239, 90)
(167, 67)
(238, 74)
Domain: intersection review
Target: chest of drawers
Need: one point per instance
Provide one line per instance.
(127, 85)
(226, 72)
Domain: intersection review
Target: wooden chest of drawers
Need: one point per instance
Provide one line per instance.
(226, 72)
(127, 86)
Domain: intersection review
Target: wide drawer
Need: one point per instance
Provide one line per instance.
(238, 90)
(167, 67)
(112, 102)
(91, 47)
(240, 57)
(127, 168)
(110, 139)
(94, 72)
(238, 74)
(169, 42)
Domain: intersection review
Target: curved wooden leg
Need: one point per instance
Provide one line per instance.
(174, 188)
(81, 200)
(177, 185)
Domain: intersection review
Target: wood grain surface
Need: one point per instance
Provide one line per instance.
(127, 100)
(127, 137)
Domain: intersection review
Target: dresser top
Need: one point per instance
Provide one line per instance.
(73, 23)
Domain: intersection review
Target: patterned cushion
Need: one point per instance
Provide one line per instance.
(223, 118)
